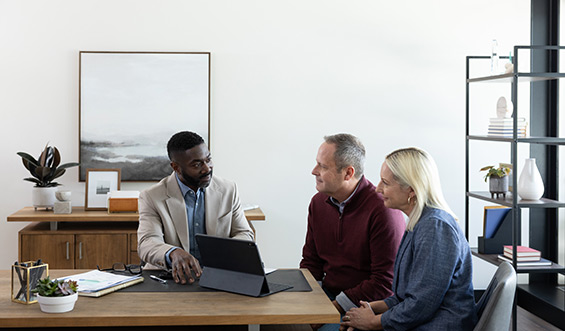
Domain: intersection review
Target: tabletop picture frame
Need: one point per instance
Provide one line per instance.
(99, 182)
(131, 103)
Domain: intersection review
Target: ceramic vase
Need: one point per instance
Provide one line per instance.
(530, 183)
(57, 304)
(43, 197)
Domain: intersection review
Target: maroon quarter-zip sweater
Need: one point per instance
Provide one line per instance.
(354, 252)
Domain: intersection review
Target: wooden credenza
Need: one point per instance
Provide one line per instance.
(82, 239)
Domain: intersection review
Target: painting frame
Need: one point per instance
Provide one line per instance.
(131, 103)
(98, 183)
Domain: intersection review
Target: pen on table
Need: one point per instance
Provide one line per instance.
(160, 280)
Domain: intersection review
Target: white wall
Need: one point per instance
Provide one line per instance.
(284, 74)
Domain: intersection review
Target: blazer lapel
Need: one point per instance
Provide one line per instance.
(404, 243)
(213, 198)
(177, 210)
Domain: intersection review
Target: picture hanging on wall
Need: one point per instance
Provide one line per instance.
(131, 103)
(100, 182)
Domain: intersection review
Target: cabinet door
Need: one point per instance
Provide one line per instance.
(100, 249)
(57, 250)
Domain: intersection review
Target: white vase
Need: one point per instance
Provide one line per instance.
(530, 184)
(43, 197)
(57, 304)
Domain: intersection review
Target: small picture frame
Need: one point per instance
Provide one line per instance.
(99, 182)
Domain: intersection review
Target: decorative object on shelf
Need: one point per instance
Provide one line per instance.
(530, 183)
(56, 296)
(502, 108)
(25, 276)
(63, 205)
(121, 91)
(123, 201)
(100, 182)
(509, 166)
(498, 180)
(44, 171)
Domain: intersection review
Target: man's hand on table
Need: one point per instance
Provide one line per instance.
(182, 263)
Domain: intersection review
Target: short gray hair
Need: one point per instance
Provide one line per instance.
(349, 151)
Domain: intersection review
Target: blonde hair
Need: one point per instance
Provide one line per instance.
(415, 168)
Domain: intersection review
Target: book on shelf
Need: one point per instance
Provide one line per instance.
(522, 251)
(505, 128)
(541, 263)
(506, 120)
(97, 283)
(524, 254)
(506, 135)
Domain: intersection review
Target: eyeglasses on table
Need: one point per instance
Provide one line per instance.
(134, 269)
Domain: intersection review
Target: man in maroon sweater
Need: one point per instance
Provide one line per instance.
(352, 237)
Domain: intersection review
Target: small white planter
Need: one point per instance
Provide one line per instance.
(43, 197)
(57, 304)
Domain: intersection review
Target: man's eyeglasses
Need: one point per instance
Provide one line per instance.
(121, 267)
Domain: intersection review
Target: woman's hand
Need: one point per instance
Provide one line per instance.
(362, 318)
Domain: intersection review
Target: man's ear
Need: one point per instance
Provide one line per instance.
(349, 172)
(175, 166)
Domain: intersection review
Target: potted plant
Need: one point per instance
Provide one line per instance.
(56, 296)
(44, 171)
(498, 180)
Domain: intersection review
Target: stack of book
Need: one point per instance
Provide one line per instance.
(525, 256)
(504, 127)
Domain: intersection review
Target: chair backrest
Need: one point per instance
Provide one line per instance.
(494, 309)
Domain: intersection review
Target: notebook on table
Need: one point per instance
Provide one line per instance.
(234, 265)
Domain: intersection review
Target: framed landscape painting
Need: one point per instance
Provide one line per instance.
(131, 103)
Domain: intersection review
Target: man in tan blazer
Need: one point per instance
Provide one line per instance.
(187, 202)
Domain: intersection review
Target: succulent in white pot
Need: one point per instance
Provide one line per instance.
(56, 296)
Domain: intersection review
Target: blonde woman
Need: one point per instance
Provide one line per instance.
(432, 283)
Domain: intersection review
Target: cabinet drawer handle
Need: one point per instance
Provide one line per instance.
(68, 245)
(80, 250)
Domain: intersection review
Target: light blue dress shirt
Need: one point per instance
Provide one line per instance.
(196, 215)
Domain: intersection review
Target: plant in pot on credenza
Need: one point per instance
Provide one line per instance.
(44, 171)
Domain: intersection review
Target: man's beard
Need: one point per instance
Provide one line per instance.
(195, 181)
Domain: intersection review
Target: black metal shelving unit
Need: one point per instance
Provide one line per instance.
(543, 298)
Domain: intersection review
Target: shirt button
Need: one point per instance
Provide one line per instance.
(197, 224)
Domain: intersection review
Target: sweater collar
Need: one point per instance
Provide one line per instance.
(363, 183)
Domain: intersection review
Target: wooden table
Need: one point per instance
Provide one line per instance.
(172, 308)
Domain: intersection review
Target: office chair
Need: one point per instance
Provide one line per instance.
(494, 309)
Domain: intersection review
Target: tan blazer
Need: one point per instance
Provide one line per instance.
(163, 223)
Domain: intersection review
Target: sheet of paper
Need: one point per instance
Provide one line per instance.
(96, 280)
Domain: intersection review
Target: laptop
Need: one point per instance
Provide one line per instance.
(234, 265)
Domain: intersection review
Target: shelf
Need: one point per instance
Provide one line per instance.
(530, 140)
(29, 214)
(542, 203)
(493, 258)
(522, 77)
(545, 300)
